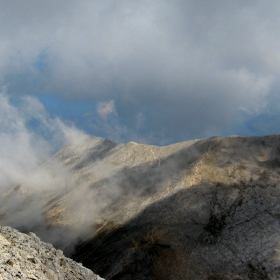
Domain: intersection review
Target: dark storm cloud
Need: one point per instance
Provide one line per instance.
(187, 67)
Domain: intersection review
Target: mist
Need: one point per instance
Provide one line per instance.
(29, 137)
(37, 180)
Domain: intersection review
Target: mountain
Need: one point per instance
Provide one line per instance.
(202, 209)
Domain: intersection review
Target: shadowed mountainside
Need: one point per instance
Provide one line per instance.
(203, 209)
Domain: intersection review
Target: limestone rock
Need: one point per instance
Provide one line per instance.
(26, 257)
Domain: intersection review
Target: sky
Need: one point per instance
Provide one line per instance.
(155, 72)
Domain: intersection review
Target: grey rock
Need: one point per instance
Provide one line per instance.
(34, 260)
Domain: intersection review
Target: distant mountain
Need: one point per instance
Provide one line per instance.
(203, 209)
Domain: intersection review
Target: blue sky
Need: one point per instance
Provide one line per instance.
(154, 72)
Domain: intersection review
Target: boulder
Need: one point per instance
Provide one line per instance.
(26, 257)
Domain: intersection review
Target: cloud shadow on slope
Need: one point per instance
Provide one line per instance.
(207, 221)
(209, 230)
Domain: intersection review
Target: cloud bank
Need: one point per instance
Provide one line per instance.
(190, 69)
(28, 136)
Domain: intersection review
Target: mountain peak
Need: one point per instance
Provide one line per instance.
(183, 211)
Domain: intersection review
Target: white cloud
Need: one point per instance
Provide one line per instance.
(106, 108)
(146, 56)
(28, 136)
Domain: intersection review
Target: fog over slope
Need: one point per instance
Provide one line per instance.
(28, 137)
(192, 210)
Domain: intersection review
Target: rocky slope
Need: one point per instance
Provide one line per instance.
(26, 257)
(203, 209)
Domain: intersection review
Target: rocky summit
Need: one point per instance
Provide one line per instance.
(197, 210)
(26, 257)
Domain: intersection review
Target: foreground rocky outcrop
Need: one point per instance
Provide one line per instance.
(26, 257)
(203, 209)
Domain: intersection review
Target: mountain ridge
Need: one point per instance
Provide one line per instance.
(128, 211)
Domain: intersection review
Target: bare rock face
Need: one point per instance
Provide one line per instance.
(203, 209)
(207, 232)
(26, 257)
